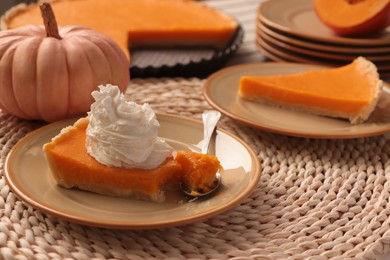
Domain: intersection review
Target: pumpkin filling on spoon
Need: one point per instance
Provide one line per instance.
(116, 151)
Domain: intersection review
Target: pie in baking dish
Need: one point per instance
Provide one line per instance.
(135, 22)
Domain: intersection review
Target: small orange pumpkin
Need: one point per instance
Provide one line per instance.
(48, 73)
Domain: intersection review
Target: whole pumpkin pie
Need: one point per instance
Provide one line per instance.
(135, 22)
(350, 91)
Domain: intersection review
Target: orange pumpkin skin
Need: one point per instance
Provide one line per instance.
(48, 79)
(354, 17)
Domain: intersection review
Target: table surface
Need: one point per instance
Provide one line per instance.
(317, 198)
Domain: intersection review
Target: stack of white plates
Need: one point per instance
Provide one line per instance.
(289, 30)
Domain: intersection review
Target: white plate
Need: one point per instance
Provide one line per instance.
(298, 17)
(221, 91)
(29, 177)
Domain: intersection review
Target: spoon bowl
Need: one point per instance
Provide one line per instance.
(201, 193)
(210, 120)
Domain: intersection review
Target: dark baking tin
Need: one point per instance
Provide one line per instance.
(182, 62)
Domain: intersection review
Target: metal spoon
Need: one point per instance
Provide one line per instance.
(210, 120)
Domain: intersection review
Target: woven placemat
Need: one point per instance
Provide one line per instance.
(317, 199)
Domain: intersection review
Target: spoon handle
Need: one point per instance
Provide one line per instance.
(210, 120)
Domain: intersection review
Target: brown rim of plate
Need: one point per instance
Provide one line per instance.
(288, 55)
(307, 7)
(304, 43)
(315, 54)
(384, 57)
(291, 56)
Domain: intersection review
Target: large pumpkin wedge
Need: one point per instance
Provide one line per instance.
(354, 17)
(49, 74)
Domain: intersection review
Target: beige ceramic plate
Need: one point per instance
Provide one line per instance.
(279, 54)
(337, 57)
(221, 91)
(29, 177)
(292, 56)
(262, 37)
(321, 47)
(297, 17)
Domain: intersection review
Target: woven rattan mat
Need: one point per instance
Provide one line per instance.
(317, 199)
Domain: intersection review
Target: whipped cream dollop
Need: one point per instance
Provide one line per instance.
(122, 133)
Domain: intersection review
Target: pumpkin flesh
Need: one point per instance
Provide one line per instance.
(354, 17)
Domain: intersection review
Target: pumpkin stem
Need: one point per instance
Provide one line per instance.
(49, 20)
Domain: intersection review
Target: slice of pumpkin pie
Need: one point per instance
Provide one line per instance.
(116, 151)
(73, 167)
(350, 91)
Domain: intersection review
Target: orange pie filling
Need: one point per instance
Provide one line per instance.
(351, 91)
(197, 169)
